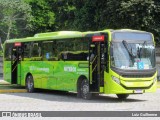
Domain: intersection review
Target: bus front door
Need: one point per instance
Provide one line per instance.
(96, 65)
(15, 64)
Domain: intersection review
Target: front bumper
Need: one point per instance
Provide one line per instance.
(130, 85)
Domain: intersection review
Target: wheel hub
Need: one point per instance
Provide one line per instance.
(85, 89)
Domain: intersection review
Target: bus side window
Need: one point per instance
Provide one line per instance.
(8, 51)
(36, 52)
(72, 49)
(50, 51)
(27, 50)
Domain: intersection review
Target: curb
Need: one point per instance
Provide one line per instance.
(2, 82)
(13, 90)
(6, 87)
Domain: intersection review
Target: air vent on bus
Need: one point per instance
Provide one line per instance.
(137, 76)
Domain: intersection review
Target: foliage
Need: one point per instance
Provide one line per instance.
(14, 17)
(83, 15)
(43, 16)
(136, 14)
(64, 13)
(51, 15)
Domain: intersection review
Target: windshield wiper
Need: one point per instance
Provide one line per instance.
(127, 48)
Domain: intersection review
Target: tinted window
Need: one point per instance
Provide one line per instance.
(27, 50)
(49, 53)
(8, 51)
(131, 36)
(72, 49)
(36, 51)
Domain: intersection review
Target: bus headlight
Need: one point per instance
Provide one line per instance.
(155, 79)
(116, 79)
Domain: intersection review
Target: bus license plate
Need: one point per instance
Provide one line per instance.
(138, 91)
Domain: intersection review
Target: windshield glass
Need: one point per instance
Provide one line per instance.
(130, 36)
(133, 51)
(136, 56)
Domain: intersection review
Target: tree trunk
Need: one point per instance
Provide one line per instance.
(9, 29)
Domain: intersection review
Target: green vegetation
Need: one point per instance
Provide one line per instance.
(36, 16)
(15, 18)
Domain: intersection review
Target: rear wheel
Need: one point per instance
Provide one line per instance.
(122, 96)
(85, 94)
(30, 84)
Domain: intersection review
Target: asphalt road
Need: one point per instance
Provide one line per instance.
(61, 101)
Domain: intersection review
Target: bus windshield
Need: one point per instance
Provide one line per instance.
(133, 55)
(132, 36)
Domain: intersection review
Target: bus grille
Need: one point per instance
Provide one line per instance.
(137, 76)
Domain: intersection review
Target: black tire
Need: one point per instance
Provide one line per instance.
(122, 96)
(29, 84)
(84, 90)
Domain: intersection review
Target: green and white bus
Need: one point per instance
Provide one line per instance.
(120, 62)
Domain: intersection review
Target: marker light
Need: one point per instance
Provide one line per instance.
(98, 38)
(17, 44)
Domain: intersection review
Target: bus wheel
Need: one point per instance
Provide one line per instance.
(122, 96)
(30, 84)
(85, 94)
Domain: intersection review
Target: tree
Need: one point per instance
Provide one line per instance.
(64, 13)
(14, 17)
(52, 15)
(43, 16)
(83, 15)
(132, 14)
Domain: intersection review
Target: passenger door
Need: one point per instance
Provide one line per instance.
(16, 57)
(97, 62)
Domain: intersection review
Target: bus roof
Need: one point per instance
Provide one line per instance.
(65, 34)
(49, 36)
(59, 33)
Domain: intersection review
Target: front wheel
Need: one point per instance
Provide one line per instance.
(122, 96)
(30, 84)
(85, 94)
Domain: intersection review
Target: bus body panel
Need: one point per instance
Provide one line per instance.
(7, 71)
(67, 74)
(56, 75)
